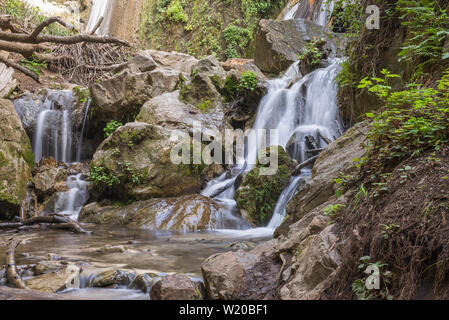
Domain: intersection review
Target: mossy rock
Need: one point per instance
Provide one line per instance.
(258, 194)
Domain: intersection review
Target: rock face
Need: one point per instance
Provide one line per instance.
(16, 161)
(258, 194)
(176, 287)
(335, 160)
(303, 255)
(186, 214)
(125, 92)
(279, 43)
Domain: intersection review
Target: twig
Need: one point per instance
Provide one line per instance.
(11, 271)
(304, 164)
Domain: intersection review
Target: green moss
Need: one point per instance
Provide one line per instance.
(82, 94)
(258, 194)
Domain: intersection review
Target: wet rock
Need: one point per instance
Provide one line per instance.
(241, 275)
(242, 245)
(50, 282)
(143, 282)
(111, 249)
(50, 181)
(187, 213)
(16, 161)
(176, 287)
(258, 193)
(46, 266)
(110, 278)
(279, 43)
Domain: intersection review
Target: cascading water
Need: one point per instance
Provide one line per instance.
(306, 108)
(100, 8)
(81, 138)
(53, 133)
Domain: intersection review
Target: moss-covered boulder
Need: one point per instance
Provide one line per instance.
(16, 161)
(258, 194)
(134, 163)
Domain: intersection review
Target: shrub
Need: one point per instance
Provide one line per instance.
(111, 126)
(248, 81)
(175, 12)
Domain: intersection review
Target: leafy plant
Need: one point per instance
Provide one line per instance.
(102, 177)
(110, 127)
(248, 81)
(333, 209)
(34, 65)
(428, 26)
(175, 12)
(360, 288)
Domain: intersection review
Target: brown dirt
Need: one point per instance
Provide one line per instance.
(417, 252)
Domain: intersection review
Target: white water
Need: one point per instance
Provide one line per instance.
(81, 138)
(320, 16)
(71, 202)
(53, 131)
(100, 8)
(303, 109)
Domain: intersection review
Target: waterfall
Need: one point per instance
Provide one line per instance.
(53, 131)
(70, 203)
(319, 12)
(297, 106)
(81, 138)
(100, 8)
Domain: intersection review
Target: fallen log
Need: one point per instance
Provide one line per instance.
(304, 164)
(48, 222)
(325, 139)
(11, 271)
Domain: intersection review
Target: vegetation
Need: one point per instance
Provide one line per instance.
(224, 28)
(248, 81)
(110, 127)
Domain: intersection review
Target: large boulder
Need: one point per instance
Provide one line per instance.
(47, 182)
(138, 157)
(280, 43)
(337, 160)
(175, 60)
(186, 213)
(241, 275)
(16, 161)
(168, 111)
(176, 287)
(258, 194)
(122, 94)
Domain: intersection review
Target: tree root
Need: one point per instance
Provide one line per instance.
(11, 271)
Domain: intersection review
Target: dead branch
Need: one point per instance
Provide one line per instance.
(17, 66)
(304, 164)
(11, 271)
(46, 23)
(97, 25)
(50, 222)
(325, 139)
(25, 38)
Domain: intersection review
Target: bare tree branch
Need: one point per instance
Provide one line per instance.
(46, 23)
(20, 68)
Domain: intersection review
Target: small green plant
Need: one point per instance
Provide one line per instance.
(175, 12)
(360, 287)
(389, 229)
(312, 54)
(102, 177)
(110, 127)
(248, 81)
(333, 209)
(34, 65)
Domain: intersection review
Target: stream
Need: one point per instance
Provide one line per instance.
(297, 110)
